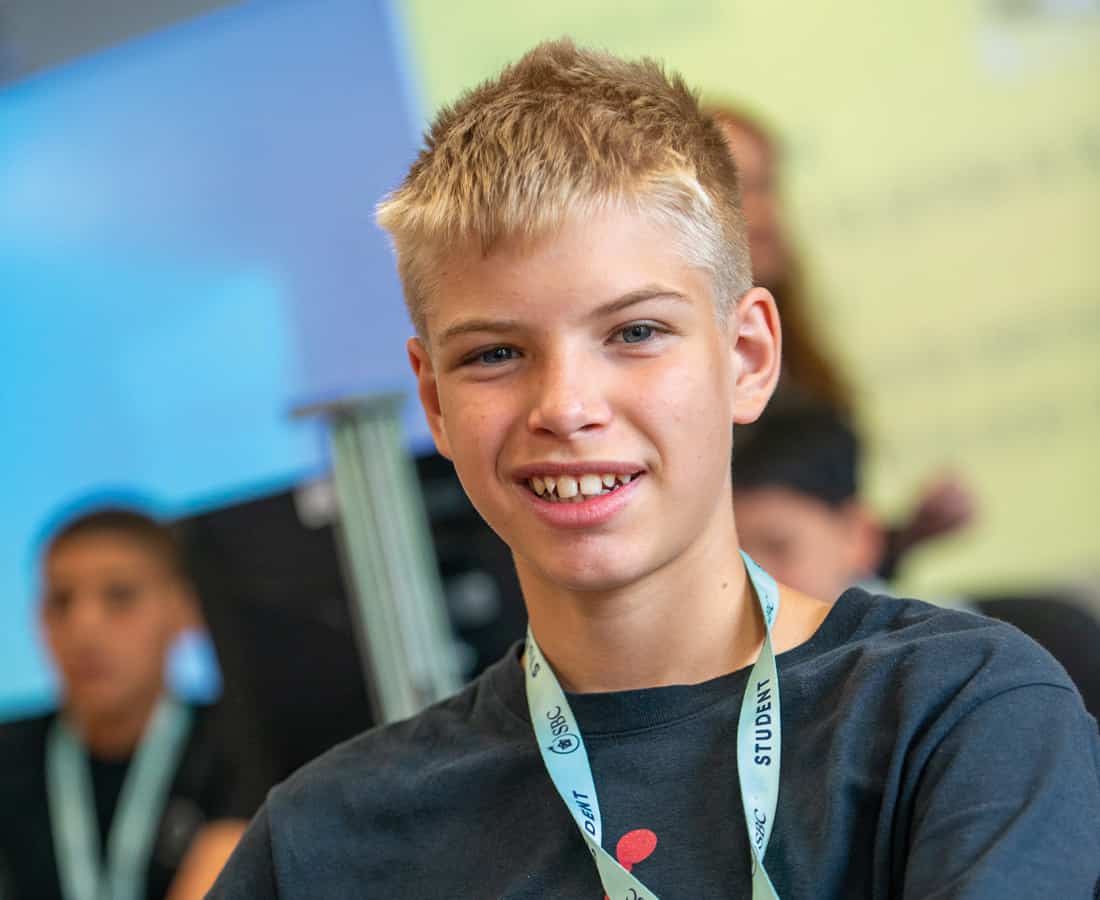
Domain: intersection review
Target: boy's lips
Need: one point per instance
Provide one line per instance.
(579, 495)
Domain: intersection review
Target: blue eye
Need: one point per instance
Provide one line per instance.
(637, 333)
(496, 356)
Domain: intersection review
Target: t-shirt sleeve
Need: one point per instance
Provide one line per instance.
(250, 872)
(1009, 803)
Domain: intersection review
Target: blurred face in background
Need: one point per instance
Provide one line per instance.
(111, 608)
(804, 542)
(759, 202)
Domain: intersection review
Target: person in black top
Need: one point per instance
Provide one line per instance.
(123, 785)
(676, 724)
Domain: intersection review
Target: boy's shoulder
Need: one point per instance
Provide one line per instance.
(931, 651)
(22, 767)
(36, 723)
(24, 740)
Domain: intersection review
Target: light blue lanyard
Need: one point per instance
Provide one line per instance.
(758, 752)
(140, 804)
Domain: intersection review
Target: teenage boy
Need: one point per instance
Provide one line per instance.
(124, 792)
(675, 725)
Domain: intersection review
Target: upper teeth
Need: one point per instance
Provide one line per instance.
(575, 487)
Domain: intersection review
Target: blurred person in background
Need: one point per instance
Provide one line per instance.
(797, 504)
(811, 377)
(801, 515)
(125, 791)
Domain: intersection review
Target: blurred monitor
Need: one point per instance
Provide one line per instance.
(187, 252)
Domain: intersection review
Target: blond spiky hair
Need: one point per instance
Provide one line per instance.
(566, 132)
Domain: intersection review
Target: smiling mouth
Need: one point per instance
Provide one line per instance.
(576, 488)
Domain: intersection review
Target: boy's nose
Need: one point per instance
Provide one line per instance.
(568, 400)
(86, 614)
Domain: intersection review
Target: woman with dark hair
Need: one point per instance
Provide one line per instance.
(811, 377)
(809, 372)
(124, 791)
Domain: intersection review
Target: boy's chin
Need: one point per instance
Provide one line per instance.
(598, 576)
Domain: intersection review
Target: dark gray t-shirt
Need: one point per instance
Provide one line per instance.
(926, 754)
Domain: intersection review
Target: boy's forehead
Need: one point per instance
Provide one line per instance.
(103, 552)
(583, 265)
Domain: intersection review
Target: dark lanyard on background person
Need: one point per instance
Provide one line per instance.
(140, 804)
(758, 753)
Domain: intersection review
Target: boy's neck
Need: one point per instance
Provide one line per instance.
(682, 625)
(686, 624)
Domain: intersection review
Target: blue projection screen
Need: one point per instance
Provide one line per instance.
(187, 251)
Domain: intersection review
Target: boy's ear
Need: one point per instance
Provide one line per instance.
(756, 342)
(428, 390)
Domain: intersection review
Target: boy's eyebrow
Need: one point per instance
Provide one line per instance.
(640, 295)
(465, 326)
(649, 292)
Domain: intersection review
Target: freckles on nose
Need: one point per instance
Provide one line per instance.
(568, 396)
(565, 415)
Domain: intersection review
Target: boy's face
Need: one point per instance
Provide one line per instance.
(110, 610)
(595, 352)
(803, 542)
